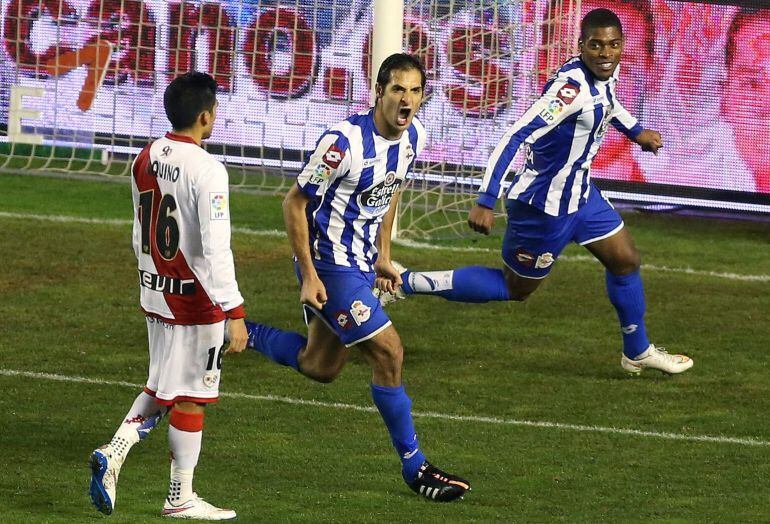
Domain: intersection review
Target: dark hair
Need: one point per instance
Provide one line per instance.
(743, 17)
(599, 18)
(187, 96)
(645, 10)
(399, 62)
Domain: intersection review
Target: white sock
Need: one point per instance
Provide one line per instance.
(143, 416)
(430, 281)
(185, 449)
(180, 486)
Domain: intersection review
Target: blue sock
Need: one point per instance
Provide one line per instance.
(282, 347)
(467, 284)
(396, 410)
(626, 293)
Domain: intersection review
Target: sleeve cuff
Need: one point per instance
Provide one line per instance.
(635, 131)
(487, 200)
(309, 190)
(236, 312)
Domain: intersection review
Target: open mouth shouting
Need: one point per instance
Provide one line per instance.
(403, 116)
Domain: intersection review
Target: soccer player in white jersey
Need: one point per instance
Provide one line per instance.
(338, 218)
(188, 293)
(552, 200)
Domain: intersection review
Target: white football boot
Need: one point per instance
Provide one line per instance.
(196, 508)
(386, 297)
(105, 467)
(656, 358)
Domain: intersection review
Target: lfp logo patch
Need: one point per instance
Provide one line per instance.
(219, 208)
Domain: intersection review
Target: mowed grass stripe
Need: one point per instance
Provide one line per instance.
(713, 439)
(407, 243)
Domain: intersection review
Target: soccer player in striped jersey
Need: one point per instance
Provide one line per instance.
(552, 200)
(188, 292)
(338, 218)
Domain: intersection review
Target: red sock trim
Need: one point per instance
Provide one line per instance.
(192, 422)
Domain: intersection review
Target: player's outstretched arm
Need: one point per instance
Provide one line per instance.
(313, 291)
(627, 124)
(481, 219)
(650, 140)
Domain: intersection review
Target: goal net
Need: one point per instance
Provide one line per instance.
(487, 61)
(81, 83)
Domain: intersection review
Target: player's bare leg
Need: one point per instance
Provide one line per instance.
(321, 356)
(385, 354)
(519, 287)
(325, 355)
(622, 261)
(618, 253)
(185, 434)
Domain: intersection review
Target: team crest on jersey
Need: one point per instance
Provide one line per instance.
(210, 379)
(409, 153)
(333, 157)
(568, 93)
(544, 261)
(604, 125)
(376, 199)
(218, 204)
(360, 312)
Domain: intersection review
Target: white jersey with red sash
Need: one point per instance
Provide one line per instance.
(181, 234)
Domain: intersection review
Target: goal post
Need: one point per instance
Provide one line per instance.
(387, 39)
(387, 35)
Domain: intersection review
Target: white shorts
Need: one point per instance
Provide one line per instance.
(185, 361)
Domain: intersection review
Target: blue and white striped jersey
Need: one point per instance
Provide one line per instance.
(562, 132)
(352, 177)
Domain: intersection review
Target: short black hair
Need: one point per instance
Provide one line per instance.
(596, 19)
(187, 96)
(399, 62)
(644, 8)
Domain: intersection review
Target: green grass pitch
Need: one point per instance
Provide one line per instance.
(477, 374)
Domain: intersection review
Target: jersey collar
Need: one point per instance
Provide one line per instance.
(590, 75)
(180, 138)
(376, 133)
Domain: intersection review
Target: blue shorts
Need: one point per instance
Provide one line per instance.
(534, 240)
(351, 310)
